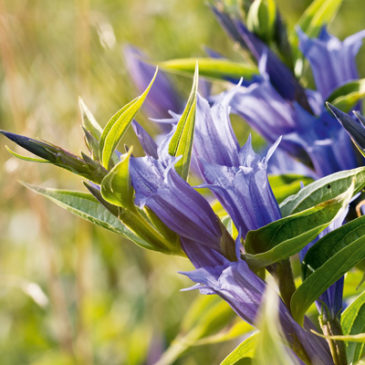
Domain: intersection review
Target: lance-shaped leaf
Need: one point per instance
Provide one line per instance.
(270, 348)
(182, 141)
(116, 187)
(91, 129)
(327, 261)
(319, 13)
(353, 322)
(87, 207)
(355, 129)
(283, 238)
(324, 189)
(89, 122)
(243, 352)
(25, 158)
(119, 123)
(348, 95)
(215, 68)
(206, 316)
(85, 167)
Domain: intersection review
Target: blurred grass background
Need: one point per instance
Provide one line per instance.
(70, 290)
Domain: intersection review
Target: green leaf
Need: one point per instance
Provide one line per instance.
(25, 158)
(261, 19)
(353, 322)
(348, 95)
(89, 122)
(87, 207)
(323, 189)
(182, 141)
(238, 329)
(327, 261)
(116, 187)
(119, 123)
(215, 68)
(318, 13)
(206, 316)
(270, 348)
(288, 184)
(245, 349)
(283, 238)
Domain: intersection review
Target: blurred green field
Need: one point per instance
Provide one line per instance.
(69, 290)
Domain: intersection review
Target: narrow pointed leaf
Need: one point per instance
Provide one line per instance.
(324, 189)
(327, 261)
(25, 158)
(348, 95)
(119, 123)
(270, 348)
(116, 187)
(245, 349)
(353, 322)
(89, 122)
(318, 13)
(283, 238)
(206, 316)
(182, 141)
(215, 68)
(87, 207)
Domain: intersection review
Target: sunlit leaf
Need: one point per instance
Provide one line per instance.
(25, 158)
(89, 122)
(285, 237)
(318, 13)
(327, 261)
(119, 123)
(182, 141)
(348, 95)
(215, 68)
(270, 348)
(116, 187)
(245, 350)
(353, 322)
(324, 189)
(87, 207)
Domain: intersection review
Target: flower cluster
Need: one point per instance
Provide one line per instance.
(238, 232)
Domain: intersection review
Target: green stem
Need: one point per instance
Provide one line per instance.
(332, 327)
(283, 274)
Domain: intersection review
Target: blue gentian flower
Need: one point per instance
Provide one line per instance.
(333, 62)
(236, 175)
(243, 290)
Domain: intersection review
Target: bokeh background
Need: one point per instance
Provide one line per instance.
(69, 290)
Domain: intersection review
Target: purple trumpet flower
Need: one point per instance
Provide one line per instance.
(243, 290)
(333, 62)
(237, 176)
(279, 74)
(315, 140)
(182, 209)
